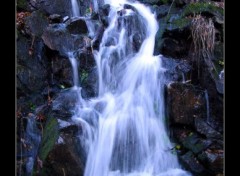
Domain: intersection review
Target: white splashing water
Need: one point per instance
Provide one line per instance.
(124, 130)
(74, 64)
(75, 8)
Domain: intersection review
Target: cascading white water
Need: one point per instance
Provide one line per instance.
(75, 8)
(125, 132)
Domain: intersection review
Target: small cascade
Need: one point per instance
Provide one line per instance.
(124, 131)
(75, 8)
(33, 140)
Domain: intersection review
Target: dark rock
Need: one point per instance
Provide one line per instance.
(37, 23)
(88, 74)
(98, 37)
(68, 127)
(194, 143)
(173, 48)
(172, 38)
(63, 160)
(137, 41)
(218, 56)
(185, 103)
(56, 34)
(67, 156)
(190, 162)
(61, 7)
(161, 11)
(55, 18)
(77, 26)
(213, 159)
(209, 80)
(110, 42)
(203, 128)
(64, 104)
(127, 6)
(158, 36)
(103, 14)
(152, 2)
(61, 71)
(29, 80)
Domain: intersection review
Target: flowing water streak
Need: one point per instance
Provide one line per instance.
(75, 8)
(74, 64)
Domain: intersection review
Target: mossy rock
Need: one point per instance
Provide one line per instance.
(22, 4)
(201, 7)
(50, 136)
(179, 23)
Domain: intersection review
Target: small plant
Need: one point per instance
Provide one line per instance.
(221, 63)
(32, 106)
(62, 86)
(84, 76)
(89, 10)
(203, 36)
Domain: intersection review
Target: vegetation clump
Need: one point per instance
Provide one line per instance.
(200, 7)
(50, 135)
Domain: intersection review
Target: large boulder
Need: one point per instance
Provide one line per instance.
(87, 74)
(63, 160)
(190, 162)
(103, 14)
(57, 37)
(32, 63)
(205, 129)
(61, 69)
(77, 26)
(185, 103)
(37, 22)
(61, 7)
(213, 159)
(60, 153)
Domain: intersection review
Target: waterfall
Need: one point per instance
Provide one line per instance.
(75, 8)
(125, 133)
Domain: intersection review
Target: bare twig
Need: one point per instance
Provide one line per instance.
(170, 7)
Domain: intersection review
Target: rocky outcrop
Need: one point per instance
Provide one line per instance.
(185, 103)
(56, 34)
(60, 7)
(77, 26)
(64, 157)
(37, 23)
(192, 132)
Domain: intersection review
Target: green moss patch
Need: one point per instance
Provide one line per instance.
(199, 7)
(22, 4)
(50, 135)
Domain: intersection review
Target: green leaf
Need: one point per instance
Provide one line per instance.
(178, 147)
